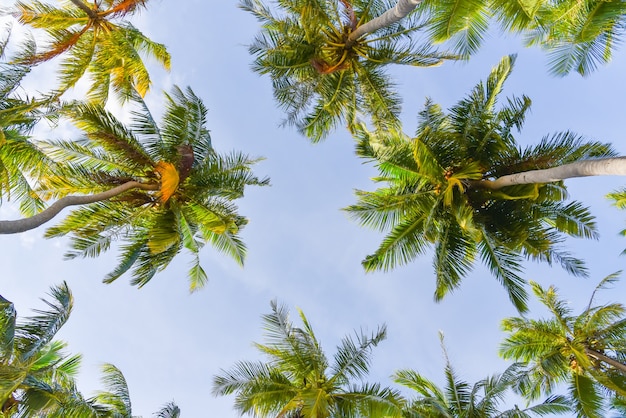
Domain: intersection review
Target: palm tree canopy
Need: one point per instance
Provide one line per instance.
(36, 375)
(170, 410)
(619, 200)
(322, 77)
(85, 33)
(578, 35)
(586, 351)
(460, 399)
(299, 381)
(116, 397)
(434, 197)
(20, 159)
(178, 191)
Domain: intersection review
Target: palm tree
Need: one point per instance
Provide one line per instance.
(20, 159)
(619, 200)
(115, 401)
(578, 35)
(116, 397)
(298, 380)
(35, 373)
(327, 58)
(156, 188)
(170, 410)
(460, 399)
(586, 351)
(37, 378)
(94, 43)
(440, 192)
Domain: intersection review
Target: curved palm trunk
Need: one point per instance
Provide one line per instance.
(393, 15)
(21, 225)
(124, 7)
(600, 167)
(608, 360)
(88, 10)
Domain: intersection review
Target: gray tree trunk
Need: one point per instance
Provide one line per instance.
(393, 15)
(608, 360)
(21, 225)
(599, 167)
(88, 10)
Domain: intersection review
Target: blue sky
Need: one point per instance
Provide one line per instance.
(302, 249)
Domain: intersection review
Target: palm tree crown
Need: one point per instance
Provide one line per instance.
(321, 75)
(36, 375)
(578, 35)
(20, 159)
(299, 382)
(37, 378)
(169, 410)
(588, 351)
(436, 192)
(86, 32)
(460, 399)
(156, 188)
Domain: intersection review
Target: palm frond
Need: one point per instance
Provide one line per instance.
(8, 317)
(504, 264)
(464, 23)
(38, 330)
(116, 396)
(352, 358)
(588, 401)
(169, 410)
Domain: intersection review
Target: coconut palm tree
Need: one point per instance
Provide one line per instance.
(93, 39)
(36, 375)
(578, 35)
(586, 351)
(460, 399)
(327, 58)
(116, 397)
(20, 159)
(440, 192)
(619, 200)
(115, 402)
(169, 410)
(156, 188)
(298, 381)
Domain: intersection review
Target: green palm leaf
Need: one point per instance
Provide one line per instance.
(20, 159)
(116, 397)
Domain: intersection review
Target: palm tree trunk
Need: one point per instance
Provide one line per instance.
(26, 224)
(90, 12)
(124, 7)
(600, 167)
(393, 15)
(608, 360)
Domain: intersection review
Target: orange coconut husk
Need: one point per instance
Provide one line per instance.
(169, 180)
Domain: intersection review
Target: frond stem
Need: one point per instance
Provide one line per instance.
(608, 360)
